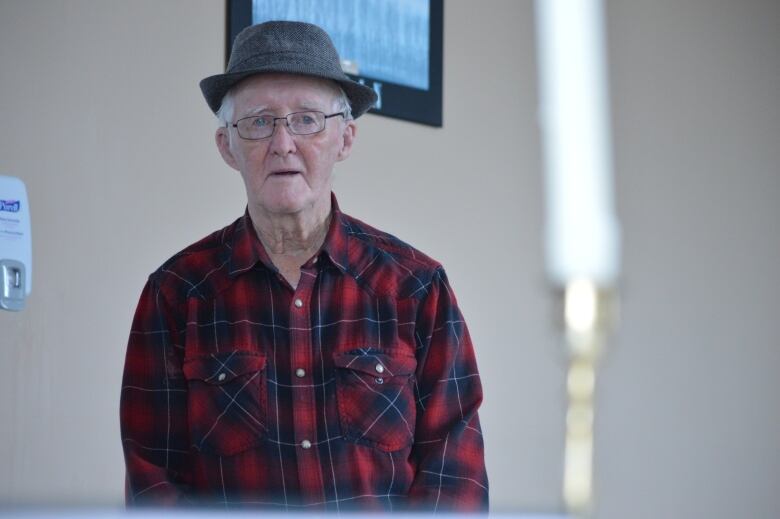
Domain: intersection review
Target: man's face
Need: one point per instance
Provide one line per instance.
(286, 173)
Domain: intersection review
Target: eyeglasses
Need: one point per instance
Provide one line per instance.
(257, 127)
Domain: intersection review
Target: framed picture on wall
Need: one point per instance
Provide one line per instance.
(393, 46)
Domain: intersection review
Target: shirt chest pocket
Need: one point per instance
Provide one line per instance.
(376, 399)
(226, 401)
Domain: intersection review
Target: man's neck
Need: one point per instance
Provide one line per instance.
(291, 239)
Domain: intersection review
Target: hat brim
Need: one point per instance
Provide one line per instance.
(361, 98)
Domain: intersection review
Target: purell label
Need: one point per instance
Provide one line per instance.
(11, 206)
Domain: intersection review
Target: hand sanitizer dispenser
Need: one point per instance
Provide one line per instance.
(15, 244)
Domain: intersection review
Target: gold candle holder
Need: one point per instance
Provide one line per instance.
(589, 314)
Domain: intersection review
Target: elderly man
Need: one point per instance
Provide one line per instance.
(299, 359)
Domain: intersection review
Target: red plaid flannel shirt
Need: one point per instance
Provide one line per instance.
(356, 390)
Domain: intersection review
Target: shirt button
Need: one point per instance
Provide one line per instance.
(306, 444)
(298, 303)
(221, 377)
(300, 373)
(379, 368)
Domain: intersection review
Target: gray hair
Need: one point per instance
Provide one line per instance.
(225, 112)
(340, 104)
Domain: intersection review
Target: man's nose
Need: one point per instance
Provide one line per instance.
(282, 141)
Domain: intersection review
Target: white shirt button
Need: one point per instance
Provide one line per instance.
(221, 377)
(300, 373)
(306, 444)
(379, 368)
(298, 303)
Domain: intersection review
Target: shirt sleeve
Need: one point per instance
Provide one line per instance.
(153, 405)
(448, 451)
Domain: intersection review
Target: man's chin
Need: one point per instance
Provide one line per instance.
(285, 205)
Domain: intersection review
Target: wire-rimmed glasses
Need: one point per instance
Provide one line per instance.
(257, 127)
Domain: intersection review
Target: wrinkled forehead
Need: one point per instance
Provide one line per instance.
(274, 92)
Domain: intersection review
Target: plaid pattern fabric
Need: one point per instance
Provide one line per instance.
(358, 389)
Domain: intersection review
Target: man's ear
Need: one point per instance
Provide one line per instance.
(348, 138)
(223, 145)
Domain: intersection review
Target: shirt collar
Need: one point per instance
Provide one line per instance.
(247, 250)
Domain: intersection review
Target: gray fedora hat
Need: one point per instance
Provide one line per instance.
(286, 47)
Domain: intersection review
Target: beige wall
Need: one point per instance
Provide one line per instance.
(101, 116)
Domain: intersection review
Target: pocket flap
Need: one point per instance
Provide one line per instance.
(376, 364)
(221, 368)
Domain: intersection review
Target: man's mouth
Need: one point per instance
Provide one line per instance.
(284, 173)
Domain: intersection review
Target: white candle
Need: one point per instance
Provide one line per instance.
(582, 233)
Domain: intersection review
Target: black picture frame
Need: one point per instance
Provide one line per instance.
(397, 101)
